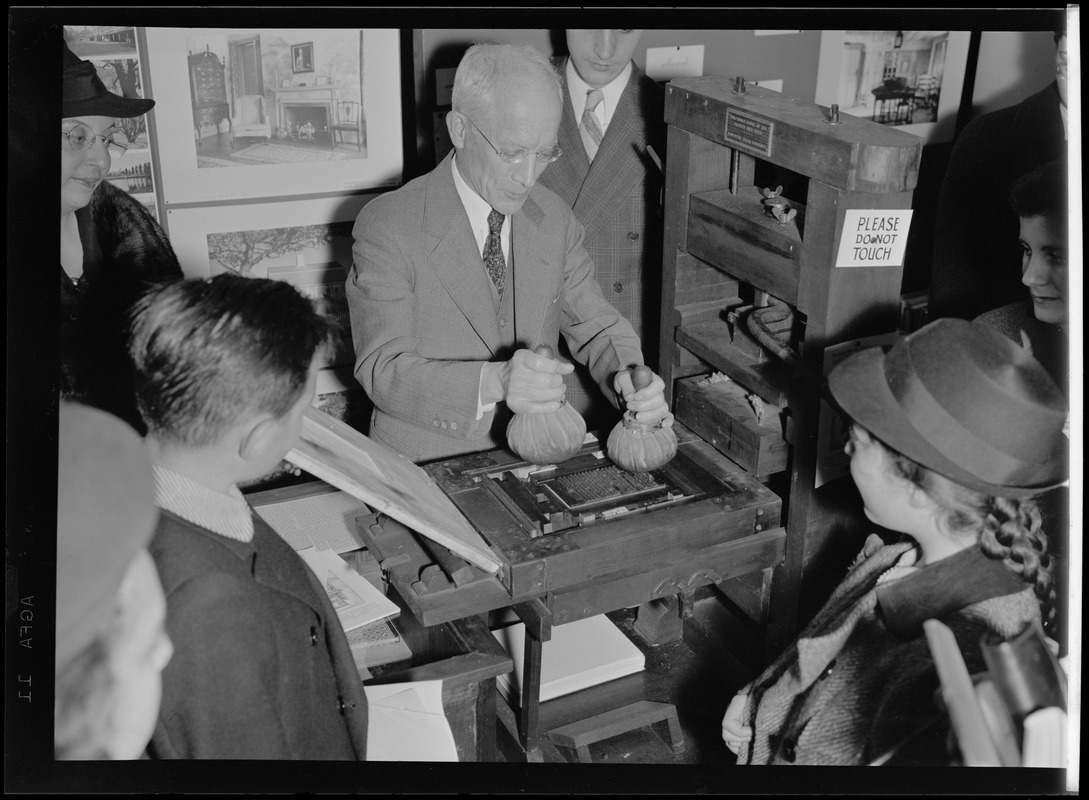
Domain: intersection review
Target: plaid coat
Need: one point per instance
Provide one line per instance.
(849, 689)
(617, 198)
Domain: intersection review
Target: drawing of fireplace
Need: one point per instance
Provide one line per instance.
(305, 113)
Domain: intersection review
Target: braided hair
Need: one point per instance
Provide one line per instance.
(1006, 529)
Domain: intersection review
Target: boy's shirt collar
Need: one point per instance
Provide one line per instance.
(229, 515)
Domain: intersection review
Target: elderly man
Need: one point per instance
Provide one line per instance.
(613, 117)
(462, 272)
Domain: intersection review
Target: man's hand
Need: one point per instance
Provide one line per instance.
(533, 384)
(647, 404)
(734, 731)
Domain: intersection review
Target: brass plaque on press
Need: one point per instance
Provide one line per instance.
(749, 132)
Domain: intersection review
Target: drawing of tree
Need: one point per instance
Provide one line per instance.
(126, 82)
(241, 251)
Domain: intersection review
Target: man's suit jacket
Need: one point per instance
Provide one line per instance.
(424, 319)
(617, 198)
(977, 255)
(261, 667)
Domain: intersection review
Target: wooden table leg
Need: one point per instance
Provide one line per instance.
(536, 615)
(485, 721)
(531, 694)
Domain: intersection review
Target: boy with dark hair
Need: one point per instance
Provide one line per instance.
(225, 369)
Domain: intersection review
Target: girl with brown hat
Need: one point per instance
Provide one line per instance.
(111, 248)
(954, 430)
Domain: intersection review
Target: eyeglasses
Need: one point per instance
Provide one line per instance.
(519, 154)
(82, 138)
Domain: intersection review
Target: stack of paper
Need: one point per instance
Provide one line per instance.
(406, 722)
(376, 644)
(579, 655)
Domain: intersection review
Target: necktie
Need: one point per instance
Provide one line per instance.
(590, 128)
(494, 261)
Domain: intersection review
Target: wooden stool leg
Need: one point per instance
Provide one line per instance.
(676, 738)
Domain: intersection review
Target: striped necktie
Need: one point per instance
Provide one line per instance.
(494, 261)
(590, 128)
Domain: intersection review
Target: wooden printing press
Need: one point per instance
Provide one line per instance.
(579, 539)
(559, 543)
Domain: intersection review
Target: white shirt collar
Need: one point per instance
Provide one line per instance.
(477, 209)
(226, 514)
(610, 93)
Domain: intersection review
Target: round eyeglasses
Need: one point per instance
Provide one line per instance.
(519, 154)
(82, 138)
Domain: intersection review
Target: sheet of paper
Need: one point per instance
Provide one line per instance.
(356, 601)
(406, 722)
(322, 521)
(667, 63)
(776, 84)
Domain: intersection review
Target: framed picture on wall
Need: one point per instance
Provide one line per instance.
(254, 113)
(307, 243)
(302, 57)
(910, 80)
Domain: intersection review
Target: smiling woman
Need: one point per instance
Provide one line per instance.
(1040, 319)
(110, 247)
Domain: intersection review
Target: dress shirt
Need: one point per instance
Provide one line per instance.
(228, 515)
(477, 209)
(611, 93)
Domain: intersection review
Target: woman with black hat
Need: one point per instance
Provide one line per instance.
(954, 431)
(111, 249)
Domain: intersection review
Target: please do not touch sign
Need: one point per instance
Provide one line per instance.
(873, 238)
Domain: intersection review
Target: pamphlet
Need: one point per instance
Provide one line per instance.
(356, 600)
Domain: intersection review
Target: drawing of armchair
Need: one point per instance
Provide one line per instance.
(249, 120)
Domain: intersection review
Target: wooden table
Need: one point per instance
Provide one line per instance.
(664, 555)
(465, 656)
